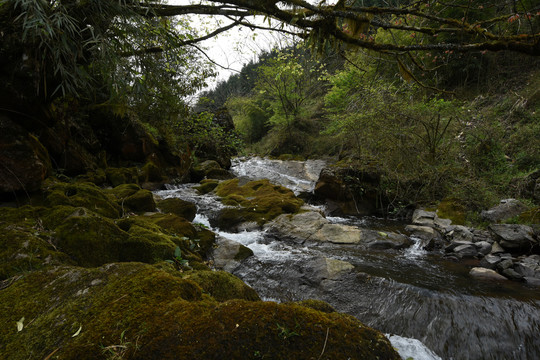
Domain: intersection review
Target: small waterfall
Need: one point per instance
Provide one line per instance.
(416, 250)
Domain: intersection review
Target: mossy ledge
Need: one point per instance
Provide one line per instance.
(137, 311)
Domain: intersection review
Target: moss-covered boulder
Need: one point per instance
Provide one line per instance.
(132, 198)
(91, 240)
(119, 176)
(25, 245)
(222, 285)
(256, 201)
(179, 207)
(206, 186)
(82, 194)
(136, 311)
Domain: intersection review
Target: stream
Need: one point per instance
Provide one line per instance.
(430, 308)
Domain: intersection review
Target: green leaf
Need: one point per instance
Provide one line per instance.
(178, 253)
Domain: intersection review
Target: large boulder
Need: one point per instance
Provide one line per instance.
(137, 311)
(514, 237)
(179, 207)
(312, 226)
(349, 191)
(24, 162)
(255, 201)
(507, 209)
(298, 227)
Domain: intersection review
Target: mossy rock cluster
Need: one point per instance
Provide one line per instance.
(256, 201)
(82, 277)
(132, 198)
(81, 224)
(137, 311)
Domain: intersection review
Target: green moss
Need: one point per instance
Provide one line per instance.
(25, 248)
(150, 172)
(97, 177)
(452, 209)
(151, 314)
(206, 242)
(154, 238)
(258, 201)
(206, 186)
(119, 176)
(91, 240)
(318, 305)
(85, 195)
(222, 285)
(531, 216)
(179, 207)
(132, 198)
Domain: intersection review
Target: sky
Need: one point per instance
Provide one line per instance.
(239, 45)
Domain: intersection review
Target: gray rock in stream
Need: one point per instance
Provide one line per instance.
(228, 254)
(513, 236)
(312, 226)
(487, 274)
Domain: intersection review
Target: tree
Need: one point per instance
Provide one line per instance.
(70, 43)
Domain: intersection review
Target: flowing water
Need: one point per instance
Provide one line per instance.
(414, 296)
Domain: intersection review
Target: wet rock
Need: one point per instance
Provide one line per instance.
(529, 266)
(431, 237)
(429, 218)
(507, 209)
(496, 248)
(483, 247)
(512, 274)
(490, 261)
(423, 218)
(505, 264)
(513, 236)
(454, 244)
(298, 227)
(328, 268)
(466, 251)
(339, 234)
(488, 274)
(228, 254)
(532, 281)
(460, 233)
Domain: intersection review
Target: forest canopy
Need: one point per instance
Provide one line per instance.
(136, 47)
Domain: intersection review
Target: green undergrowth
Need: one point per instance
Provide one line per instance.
(137, 311)
(256, 201)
